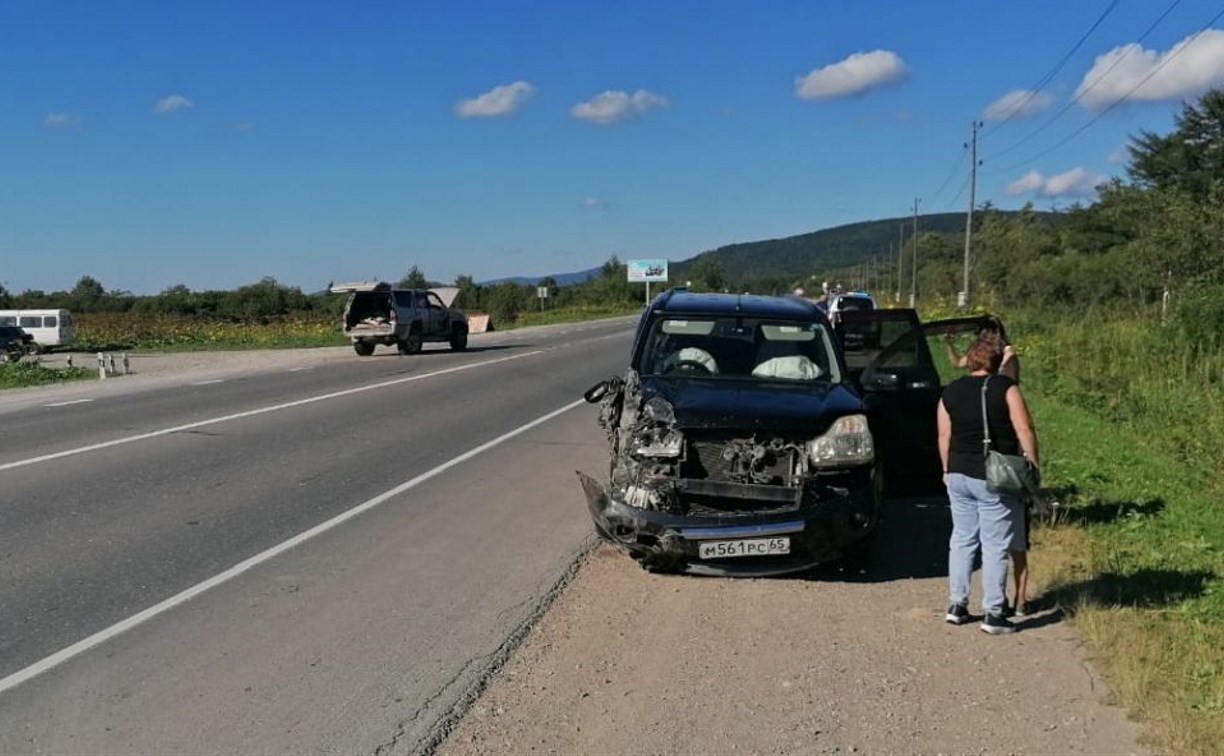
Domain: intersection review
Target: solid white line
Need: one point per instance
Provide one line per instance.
(65, 404)
(207, 383)
(100, 637)
(260, 411)
(298, 370)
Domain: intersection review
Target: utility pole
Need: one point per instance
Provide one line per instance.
(973, 166)
(888, 282)
(914, 260)
(900, 259)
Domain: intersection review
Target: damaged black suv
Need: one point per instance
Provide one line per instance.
(746, 436)
(735, 433)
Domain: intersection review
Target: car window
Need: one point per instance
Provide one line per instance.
(8, 320)
(752, 349)
(30, 321)
(50, 322)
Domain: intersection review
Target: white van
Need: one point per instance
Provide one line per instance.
(50, 328)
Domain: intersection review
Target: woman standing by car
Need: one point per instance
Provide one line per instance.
(980, 517)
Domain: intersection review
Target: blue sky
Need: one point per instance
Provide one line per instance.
(213, 143)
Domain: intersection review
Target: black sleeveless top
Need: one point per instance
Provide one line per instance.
(963, 400)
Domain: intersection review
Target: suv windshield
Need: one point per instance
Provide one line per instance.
(741, 348)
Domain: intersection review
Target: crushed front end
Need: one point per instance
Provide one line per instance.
(731, 496)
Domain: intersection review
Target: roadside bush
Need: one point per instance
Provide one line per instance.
(1197, 319)
(18, 374)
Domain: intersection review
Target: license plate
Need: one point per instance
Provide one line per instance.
(746, 547)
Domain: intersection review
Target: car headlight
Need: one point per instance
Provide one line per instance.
(847, 442)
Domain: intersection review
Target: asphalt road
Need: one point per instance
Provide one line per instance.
(357, 639)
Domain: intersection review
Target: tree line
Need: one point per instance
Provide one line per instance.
(1151, 239)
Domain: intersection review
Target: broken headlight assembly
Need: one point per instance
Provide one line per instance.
(659, 438)
(847, 442)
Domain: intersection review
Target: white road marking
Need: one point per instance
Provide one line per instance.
(260, 411)
(65, 404)
(298, 370)
(208, 383)
(100, 637)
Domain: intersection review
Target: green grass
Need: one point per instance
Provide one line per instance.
(21, 374)
(1136, 557)
(567, 315)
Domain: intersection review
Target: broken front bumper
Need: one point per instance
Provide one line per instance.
(821, 528)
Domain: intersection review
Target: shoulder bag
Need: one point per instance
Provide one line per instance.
(1005, 473)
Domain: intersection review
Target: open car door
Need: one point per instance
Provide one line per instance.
(887, 355)
(903, 365)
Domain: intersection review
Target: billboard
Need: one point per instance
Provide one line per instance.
(649, 271)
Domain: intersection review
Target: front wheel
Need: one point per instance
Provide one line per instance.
(458, 339)
(363, 348)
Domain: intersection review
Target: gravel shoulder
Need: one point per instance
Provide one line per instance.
(629, 662)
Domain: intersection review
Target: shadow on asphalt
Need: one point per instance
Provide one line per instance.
(428, 352)
(911, 542)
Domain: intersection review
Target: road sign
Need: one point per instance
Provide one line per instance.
(542, 292)
(647, 271)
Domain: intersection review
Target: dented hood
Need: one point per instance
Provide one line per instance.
(746, 405)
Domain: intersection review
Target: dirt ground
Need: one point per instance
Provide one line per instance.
(629, 662)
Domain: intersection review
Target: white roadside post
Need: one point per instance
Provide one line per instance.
(101, 366)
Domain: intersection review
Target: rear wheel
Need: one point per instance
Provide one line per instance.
(35, 348)
(458, 339)
(412, 343)
(363, 348)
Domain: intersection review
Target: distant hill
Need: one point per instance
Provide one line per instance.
(805, 254)
(827, 249)
(562, 279)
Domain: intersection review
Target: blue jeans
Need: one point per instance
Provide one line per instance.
(993, 521)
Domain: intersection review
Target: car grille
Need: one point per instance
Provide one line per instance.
(705, 461)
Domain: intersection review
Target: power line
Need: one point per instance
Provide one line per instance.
(952, 203)
(1168, 59)
(952, 172)
(1049, 76)
(1080, 95)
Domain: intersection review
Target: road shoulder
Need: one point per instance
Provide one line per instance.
(628, 662)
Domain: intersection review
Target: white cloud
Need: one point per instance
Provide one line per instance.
(1018, 103)
(1197, 67)
(1075, 182)
(172, 104)
(58, 120)
(502, 100)
(1029, 182)
(594, 203)
(861, 72)
(1119, 156)
(612, 107)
